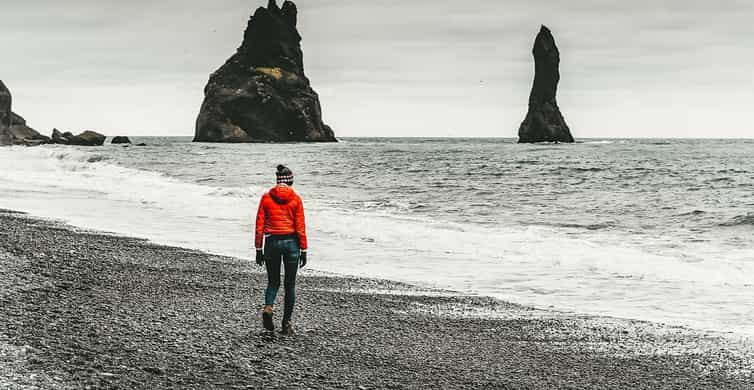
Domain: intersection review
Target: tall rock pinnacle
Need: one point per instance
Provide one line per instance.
(544, 122)
(261, 93)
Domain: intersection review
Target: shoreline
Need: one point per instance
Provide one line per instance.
(404, 286)
(86, 308)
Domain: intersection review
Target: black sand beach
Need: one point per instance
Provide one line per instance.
(89, 310)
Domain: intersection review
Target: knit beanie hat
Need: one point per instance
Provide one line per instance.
(284, 175)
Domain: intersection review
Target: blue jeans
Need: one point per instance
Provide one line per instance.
(286, 250)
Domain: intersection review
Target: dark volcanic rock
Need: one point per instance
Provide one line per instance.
(17, 119)
(120, 140)
(60, 138)
(544, 122)
(261, 93)
(13, 128)
(87, 138)
(6, 103)
(25, 135)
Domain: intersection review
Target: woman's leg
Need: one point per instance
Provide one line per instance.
(291, 254)
(272, 257)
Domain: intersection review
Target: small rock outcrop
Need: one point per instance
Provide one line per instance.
(120, 140)
(544, 122)
(13, 128)
(87, 138)
(261, 93)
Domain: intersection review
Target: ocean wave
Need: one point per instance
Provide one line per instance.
(86, 171)
(732, 170)
(581, 169)
(720, 180)
(591, 226)
(589, 169)
(245, 193)
(740, 220)
(694, 213)
(96, 158)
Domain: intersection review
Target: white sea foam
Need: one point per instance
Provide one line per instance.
(536, 266)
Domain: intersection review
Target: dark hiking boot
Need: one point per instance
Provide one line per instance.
(287, 328)
(267, 318)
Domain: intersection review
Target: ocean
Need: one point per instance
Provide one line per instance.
(658, 230)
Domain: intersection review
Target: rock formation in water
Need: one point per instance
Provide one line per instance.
(13, 128)
(87, 138)
(544, 122)
(261, 93)
(60, 138)
(120, 140)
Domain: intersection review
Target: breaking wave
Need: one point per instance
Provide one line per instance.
(740, 220)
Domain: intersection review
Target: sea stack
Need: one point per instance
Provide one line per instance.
(544, 122)
(261, 93)
(13, 128)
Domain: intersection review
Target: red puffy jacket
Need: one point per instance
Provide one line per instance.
(281, 211)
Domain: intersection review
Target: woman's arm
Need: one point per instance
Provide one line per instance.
(260, 225)
(300, 223)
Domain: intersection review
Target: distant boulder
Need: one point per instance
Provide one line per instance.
(13, 128)
(120, 140)
(87, 138)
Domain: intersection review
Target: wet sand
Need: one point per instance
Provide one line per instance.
(84, 309)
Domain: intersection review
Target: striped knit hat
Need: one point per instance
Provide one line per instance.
(284, 175)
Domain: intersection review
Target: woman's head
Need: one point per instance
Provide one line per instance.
(284, 175)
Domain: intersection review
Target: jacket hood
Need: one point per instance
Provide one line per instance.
(282, 194)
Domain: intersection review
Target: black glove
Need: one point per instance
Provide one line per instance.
(260, 258)
(302, 259)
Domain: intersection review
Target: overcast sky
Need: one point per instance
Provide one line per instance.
(641, 68)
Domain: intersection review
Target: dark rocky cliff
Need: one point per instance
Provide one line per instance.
(13, 128)
(261, 93)
(544, 122)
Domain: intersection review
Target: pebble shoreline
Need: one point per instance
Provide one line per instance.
(87, 310)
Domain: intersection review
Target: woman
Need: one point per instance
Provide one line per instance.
(282, 230)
